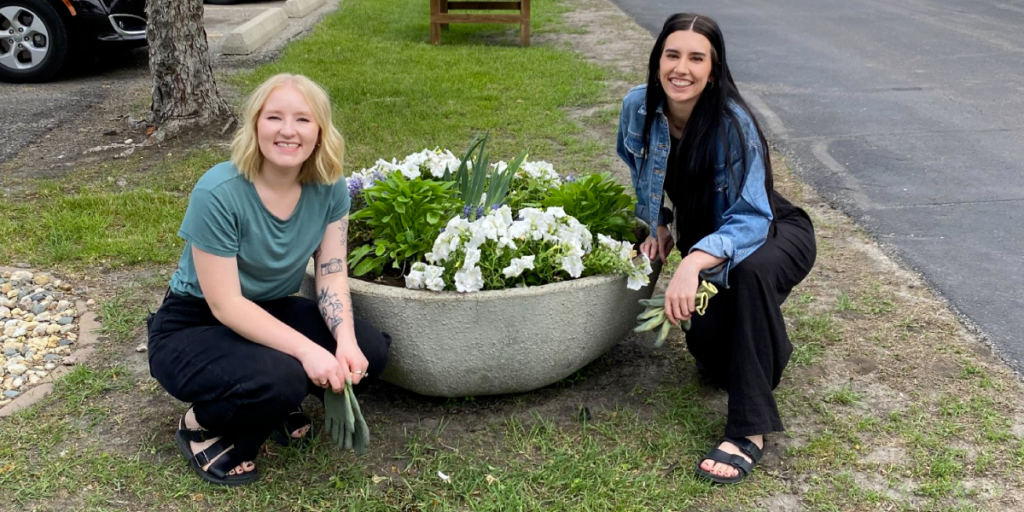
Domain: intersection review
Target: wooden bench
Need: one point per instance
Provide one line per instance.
(440, 17)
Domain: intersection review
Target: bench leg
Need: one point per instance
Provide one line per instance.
(524, 26)
(435, 28)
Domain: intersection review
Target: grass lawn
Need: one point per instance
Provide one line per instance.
(890, 404)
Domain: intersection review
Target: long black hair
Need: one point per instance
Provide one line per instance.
(697, 150)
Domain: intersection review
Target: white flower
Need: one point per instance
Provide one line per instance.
(471, 280)
(541, 171)
(505, 241)
(637, 280)
(639, 275)
(627, 253)
(472, 258)
(492, 225)
(457, 225)
(440, 162)
(556, 211)
(411, 170)
(385, 166)
(499, 166)
(505, 212)
(518, 265)
(573, 265)
(415, 278)
(647, 265)
(477, 235)
(432, 278)
(443, 246)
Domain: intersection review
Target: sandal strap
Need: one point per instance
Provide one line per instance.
(295, 421)
(195, 435)
(222, 462)
(736, 461)
(746, 446)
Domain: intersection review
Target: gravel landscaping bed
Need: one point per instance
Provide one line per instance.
(38, 329)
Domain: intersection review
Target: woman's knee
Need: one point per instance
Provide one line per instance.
(751, 271)
(284, 389)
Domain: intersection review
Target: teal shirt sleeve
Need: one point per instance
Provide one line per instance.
(340, 202)
(210, 224)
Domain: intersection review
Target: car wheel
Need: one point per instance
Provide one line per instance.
(33, 41)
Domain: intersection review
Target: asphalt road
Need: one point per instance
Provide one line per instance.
(907, 115)
(27, 111)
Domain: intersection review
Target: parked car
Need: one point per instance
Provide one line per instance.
(37, 37)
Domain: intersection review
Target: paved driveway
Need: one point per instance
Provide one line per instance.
(910, 116)
(28, 111)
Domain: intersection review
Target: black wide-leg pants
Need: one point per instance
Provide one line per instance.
(241, 389)
(741, 341)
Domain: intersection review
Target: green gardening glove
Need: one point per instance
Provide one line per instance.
(361, 437)
(336, 416)
(344, 420)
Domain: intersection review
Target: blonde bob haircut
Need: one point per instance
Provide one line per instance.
(323, 165)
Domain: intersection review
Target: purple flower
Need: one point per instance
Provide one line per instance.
(479, 211)
(466, 211)
(379, 176)
(495, 206)
(354, 187)
(570, 178)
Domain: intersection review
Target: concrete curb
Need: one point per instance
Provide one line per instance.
(88, 335)
(251, 35)
(300, 8)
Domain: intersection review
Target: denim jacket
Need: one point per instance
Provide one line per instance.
(742, 217)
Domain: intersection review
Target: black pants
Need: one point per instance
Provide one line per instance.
(741, 341)
(241, 389)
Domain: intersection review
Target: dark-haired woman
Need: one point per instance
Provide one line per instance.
(689, 135)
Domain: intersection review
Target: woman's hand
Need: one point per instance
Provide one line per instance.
(658, 247)
(322, 368)
(680, 297)
(352, 360)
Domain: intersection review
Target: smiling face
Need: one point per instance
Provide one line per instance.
(286, 130)
(685, 69)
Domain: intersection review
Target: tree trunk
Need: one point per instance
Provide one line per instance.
(184, 89)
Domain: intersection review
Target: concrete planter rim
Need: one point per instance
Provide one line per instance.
(374, 288)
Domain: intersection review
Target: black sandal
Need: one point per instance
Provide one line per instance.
(282, 435)
(737, 461)
(223, 463)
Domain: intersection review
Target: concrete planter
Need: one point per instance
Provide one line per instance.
(494, 342)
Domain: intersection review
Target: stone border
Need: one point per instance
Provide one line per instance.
(256, 32)
(88, 336)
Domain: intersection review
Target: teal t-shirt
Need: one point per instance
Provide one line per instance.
(226, 217)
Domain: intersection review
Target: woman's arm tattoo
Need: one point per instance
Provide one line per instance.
(331, 309)
(335, 265)
(332, 266)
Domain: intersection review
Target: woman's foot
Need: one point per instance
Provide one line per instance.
(721, 469)
(293, 431)
(301, 432)
(192, 424)
(732, 460)
(211, 456)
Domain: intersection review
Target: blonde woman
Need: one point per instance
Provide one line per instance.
(230, 338)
